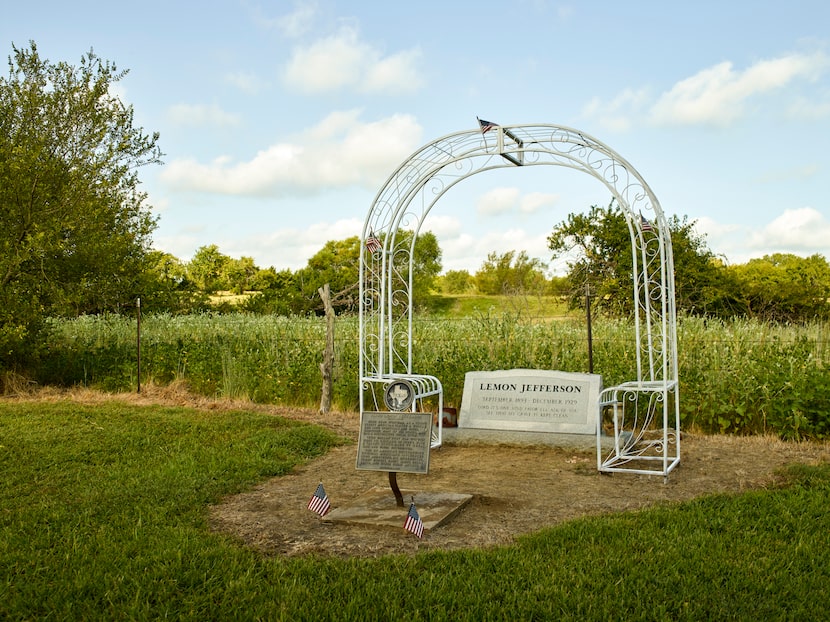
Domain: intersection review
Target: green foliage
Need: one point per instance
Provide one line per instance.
(208, 269)
(242, 274)
(337, 264)
(784, 287)
(455, 282)
(168, 287)
(602, 240)
(527, 307)
(74, 228)
(426, 265)
(739, 376)
(277, 293)
(604, 262)
(779, 288)
(263, 358)
(425, 255)
(748, 377)
(103, 516)
(510, 273)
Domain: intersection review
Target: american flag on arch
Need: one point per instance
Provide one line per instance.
(486, 126)
(373, 245)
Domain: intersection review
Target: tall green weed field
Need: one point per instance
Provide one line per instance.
(739, 376)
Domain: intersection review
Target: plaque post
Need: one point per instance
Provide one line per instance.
(393, 484)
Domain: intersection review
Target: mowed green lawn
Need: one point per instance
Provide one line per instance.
(103, 516)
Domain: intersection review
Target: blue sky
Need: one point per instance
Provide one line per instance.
(280, 121)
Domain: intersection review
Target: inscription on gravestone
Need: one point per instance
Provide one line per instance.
(531, 400)
(397, 442)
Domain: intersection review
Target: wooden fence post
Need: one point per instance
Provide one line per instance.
(138, 344)
(327, 365)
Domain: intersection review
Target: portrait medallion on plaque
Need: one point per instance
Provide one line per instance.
(399, 395)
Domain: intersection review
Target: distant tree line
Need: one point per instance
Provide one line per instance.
(777, 288)
(780, 287)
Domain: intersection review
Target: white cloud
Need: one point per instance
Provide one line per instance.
(714, 229)
(797, 230)
(213, 115)
(159, 203)
(466, 251)
(534, 201)
(292, 25)
(117, 89)
(290, 248)
(803, 109)
(717, 95)
(498, 201)
(798, 174)
(448, 227)
(505, 200)
(725, 240)
(246, 82)
(618, 114)
(803, 231)
(340, 151)
(396, 73)
(300, 20)
(344, 61)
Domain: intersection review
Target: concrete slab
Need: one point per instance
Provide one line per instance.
(377, 506)
(479, 436)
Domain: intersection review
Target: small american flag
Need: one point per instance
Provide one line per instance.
(319, 501)
(373, 245)
(645, 225)
(413, 521)
(486, 126)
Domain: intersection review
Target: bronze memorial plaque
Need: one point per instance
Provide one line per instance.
(394, 441)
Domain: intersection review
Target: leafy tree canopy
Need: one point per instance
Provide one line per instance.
(456, 282)
(208, 269)
(600, 245)
(74, 227)
(784, 287)
(338, 264)
(511, 273)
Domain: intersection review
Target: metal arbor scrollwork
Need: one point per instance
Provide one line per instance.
(640, 417)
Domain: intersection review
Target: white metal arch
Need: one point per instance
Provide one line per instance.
(643, 414)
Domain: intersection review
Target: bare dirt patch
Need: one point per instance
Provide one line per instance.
(517, 489)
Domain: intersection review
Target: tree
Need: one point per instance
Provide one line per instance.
(167, 287)
(601, 245)
(456, 282)
(510, 273)
(338, 264)
(208, 269)
(784, 287)
(279, 293)
(241, 274)
(426, 265)
(74, 227)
